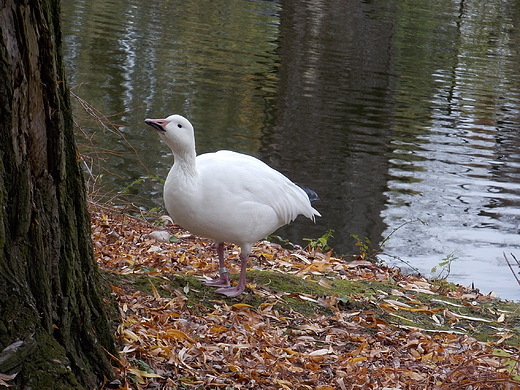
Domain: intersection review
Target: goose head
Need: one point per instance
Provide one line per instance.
(176, 131)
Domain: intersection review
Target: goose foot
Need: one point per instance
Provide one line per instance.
(230, 292)
(222, 281)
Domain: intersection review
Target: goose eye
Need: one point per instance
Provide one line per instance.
(179, 125)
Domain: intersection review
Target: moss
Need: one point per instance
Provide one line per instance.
(359, 295)
(47, 366)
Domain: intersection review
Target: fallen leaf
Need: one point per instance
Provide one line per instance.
(241, 305)
(178, 335)
(4, 378)
(320, 352)
(140, 375)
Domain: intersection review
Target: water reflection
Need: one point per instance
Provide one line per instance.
(334, 107)
(392, 111)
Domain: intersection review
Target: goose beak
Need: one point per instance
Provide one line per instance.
(157, 124)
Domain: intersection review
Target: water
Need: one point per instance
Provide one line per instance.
(394, 112)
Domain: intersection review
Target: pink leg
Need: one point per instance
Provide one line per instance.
(223, 280)
(238, 289)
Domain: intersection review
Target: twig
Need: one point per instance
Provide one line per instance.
(415, 269)
(102, 120)
(511, 267)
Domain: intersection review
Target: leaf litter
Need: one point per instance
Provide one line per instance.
(295, 327)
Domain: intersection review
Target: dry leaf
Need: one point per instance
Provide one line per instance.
(4, 378)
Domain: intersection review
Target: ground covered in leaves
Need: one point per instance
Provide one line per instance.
(307, 320)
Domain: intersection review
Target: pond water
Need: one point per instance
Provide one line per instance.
(404, 116)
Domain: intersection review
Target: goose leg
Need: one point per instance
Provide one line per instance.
(241, 286)
(223, 279)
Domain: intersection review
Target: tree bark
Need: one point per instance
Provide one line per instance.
(54, 326)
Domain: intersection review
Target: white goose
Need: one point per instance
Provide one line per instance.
(226, 196)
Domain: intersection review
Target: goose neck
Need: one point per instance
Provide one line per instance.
(186, 164)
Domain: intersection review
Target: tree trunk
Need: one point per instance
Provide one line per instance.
(53, 319)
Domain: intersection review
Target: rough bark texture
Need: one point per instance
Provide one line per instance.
(52, 314)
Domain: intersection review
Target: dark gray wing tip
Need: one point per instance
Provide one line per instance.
(313, 196)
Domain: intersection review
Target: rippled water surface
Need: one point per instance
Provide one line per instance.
(403, 115)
